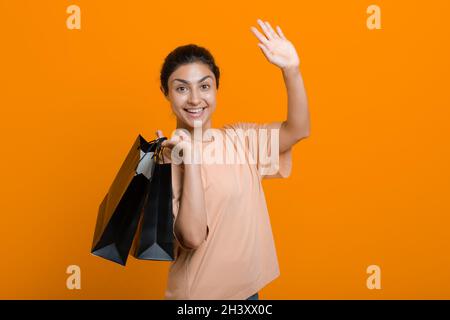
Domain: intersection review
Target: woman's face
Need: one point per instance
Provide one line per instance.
(192, 94)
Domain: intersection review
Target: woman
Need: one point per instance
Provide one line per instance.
(224, 246)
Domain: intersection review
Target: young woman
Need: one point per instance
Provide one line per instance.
(224, 247)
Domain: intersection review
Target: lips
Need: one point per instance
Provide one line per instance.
(195, 112)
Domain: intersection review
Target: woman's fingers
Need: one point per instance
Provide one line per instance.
(171, 142)
(271, 31)
(281, 33)
(184, 136)
(179, 136)
(259, 35)
(265, 29)
(159, 134)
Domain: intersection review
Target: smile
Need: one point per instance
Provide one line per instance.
(195, 112)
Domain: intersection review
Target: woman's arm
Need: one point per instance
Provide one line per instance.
(281, 52)
(190, 227)
(297, 124)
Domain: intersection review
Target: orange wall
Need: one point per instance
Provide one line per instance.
(369, 186)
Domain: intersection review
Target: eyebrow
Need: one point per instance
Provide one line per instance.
(187, 82)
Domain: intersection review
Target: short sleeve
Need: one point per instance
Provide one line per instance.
(269, 161)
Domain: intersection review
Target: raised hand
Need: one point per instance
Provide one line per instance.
(277, 49)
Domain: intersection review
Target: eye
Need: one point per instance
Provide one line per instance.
(180, 88)
(207, 85)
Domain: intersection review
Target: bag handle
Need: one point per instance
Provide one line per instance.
(159, 149)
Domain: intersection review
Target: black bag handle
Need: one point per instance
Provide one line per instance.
(159, 149)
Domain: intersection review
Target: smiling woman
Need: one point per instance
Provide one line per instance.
(189, 80)
(224, 247)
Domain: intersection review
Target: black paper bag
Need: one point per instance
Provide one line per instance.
(154, 238)
(120, 211)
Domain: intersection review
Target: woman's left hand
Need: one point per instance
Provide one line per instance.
(277, 49)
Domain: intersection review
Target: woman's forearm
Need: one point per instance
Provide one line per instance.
(191, 226)
(281, 52)
(298, 119)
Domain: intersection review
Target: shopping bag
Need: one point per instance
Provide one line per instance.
(154, 238)
(119, 212)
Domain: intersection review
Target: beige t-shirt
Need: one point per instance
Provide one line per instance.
(238, 257)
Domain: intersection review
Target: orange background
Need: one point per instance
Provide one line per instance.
(369, 186)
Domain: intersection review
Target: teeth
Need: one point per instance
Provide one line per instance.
(194, 110)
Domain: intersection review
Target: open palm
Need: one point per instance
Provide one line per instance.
(276, 48)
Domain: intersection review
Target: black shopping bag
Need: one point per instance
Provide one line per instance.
(120, 210)
(154, 238)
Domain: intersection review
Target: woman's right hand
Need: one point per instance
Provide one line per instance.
(182, 141)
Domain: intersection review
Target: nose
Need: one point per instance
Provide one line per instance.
(194, 97)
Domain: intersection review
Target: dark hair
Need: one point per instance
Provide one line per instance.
(183, 55)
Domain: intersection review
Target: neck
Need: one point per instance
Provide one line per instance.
(182, 125)
(205, 126)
